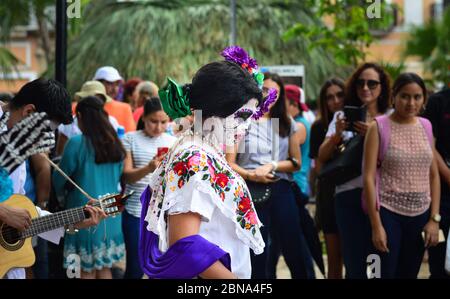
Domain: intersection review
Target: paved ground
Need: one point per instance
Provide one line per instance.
(283, 271)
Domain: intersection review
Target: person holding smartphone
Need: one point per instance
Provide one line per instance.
(145, 150)
(369, 85)
(269, 154)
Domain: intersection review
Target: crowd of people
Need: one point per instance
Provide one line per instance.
(201, 199)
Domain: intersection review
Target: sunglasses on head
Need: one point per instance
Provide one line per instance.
(371, 84)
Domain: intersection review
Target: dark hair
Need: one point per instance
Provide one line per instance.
(383, 101)
(6, 97)
(279, 110)
(408, 78)
(47, 95)
(221, 88)
(151, 105)
(99, 131)
(324, 114)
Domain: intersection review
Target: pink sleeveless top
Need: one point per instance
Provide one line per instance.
(405, 171)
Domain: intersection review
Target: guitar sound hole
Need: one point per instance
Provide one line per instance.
(10, 235)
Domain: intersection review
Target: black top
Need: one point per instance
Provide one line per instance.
(318, 132)
(438, 112)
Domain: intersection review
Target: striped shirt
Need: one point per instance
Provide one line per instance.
(142, 148)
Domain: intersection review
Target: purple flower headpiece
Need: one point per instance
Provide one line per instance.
(271, 97)
(239, 56)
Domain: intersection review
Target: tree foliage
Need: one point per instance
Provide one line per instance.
(350, 32)
(431, 43)
(155, 39)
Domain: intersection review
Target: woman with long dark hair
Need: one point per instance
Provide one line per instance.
(141, 161)
(331, 100)
(403, 198)
(95, 161)
(369, 86)
(269, 154)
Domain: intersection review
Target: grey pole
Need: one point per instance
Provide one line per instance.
(61, 42)
(233, 22)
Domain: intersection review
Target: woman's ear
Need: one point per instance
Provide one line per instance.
(28, 109)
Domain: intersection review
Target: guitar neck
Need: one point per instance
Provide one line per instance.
(53, 221)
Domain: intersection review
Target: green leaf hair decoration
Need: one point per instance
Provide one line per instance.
(174, 99)
(259, 78)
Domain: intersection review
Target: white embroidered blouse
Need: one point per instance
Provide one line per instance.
(194, 178)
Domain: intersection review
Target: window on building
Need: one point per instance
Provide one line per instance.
(413, 12)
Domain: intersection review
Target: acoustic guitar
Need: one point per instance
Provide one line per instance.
(15, 246)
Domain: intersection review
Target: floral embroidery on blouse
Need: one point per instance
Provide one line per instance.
(223, 181)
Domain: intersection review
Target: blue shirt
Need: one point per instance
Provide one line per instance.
(301, 176)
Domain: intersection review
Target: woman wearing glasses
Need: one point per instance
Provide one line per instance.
(369, 86)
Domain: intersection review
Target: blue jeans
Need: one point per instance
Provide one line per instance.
(280, 218)
(275, 247)
(405, 243)
(436, 254)
(354, 229)
(130, 228)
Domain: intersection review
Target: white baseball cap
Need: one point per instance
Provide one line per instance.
(107, 73)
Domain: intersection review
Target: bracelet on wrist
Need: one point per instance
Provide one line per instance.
(274, 165)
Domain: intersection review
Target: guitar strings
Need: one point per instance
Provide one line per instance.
(37, 224)
(44, 221)
(10, 230)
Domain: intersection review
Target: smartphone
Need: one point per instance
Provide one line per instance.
(275, 176)
(354, 114)
(441, 236)
(162, 151)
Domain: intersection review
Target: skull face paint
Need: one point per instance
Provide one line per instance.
(229, 130)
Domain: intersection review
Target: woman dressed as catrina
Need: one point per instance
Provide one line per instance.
(198, 219)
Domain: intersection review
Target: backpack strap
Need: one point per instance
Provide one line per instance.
(428, 129)
(384, 133)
